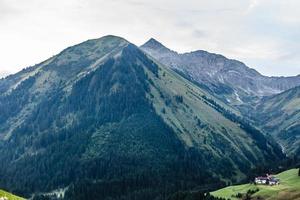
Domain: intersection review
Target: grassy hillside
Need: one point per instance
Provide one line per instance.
(9, 196)
(280, 115)
(289, 188)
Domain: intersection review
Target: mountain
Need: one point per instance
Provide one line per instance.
(103, 120)
(4, 74)
(231, 80)
(272, 101)
(288, 189)
(280, 115)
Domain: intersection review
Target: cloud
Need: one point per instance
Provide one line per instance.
(6, 10)
(262, 33)
(252, 5)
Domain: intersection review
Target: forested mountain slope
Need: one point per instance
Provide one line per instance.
(104, 121)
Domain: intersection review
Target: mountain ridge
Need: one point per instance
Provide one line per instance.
(103, 110)
(152, 43)
(220, 74)
(274, 111)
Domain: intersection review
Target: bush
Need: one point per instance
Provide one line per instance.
(178, 98)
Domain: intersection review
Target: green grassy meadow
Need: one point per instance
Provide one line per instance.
(9, 196)
(289, 188)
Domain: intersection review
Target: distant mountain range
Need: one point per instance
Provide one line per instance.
(274, 102)
(230, 80)
(106, 119)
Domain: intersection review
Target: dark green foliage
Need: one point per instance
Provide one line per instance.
(258, 136)
(159, 181)
(41, 197)
(168, 102)
(178, 98)
(99, 135)
(5, 83)
(279, 115)
(140, 158)
(12, 103)
(199, 123)
(193, 196)
(290, 136)
(131, 51)
(246, 196)
(251, 192)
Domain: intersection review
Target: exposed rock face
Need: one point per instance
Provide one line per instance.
(231, 80)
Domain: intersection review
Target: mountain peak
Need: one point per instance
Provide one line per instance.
(91, 50)
(153, 44)
(153, 41)
(107, 40)
(112, 37)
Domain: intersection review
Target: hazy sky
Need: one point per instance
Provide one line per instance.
(265, 34)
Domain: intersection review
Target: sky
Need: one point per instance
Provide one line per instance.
(264, 34)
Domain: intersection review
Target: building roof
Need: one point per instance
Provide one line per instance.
(262, 178)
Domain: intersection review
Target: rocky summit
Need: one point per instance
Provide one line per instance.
(231, 80)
